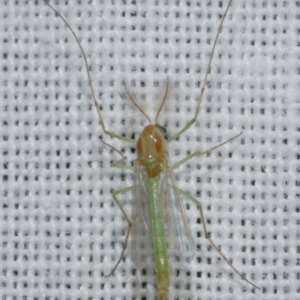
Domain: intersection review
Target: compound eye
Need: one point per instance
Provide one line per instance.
(162, 129)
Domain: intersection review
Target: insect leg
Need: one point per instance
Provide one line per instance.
(190, 123)
(114, 194)
(119, 163)
(101, 121)
(200, 153)
(207, 236)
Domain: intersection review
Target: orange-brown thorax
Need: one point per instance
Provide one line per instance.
(151, 149)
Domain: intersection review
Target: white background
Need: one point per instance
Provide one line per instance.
(60, 231)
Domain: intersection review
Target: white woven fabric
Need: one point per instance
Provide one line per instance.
(60, 230)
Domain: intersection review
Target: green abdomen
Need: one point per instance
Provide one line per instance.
(155, 193)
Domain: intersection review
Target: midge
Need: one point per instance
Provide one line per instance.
(159, 224)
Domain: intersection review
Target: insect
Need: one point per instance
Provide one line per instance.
(158, 220)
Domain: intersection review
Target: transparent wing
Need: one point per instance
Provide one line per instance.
(178, 232)
(141, 237)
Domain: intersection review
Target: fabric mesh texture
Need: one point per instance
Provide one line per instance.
(60, 230)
